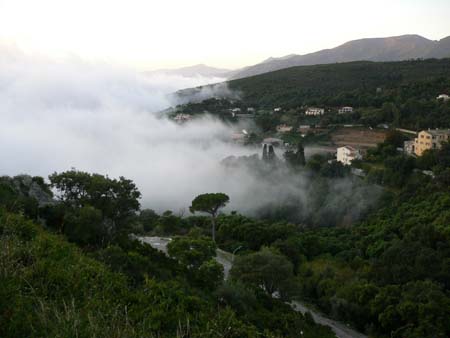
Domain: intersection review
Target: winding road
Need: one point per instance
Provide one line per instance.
(226, 259)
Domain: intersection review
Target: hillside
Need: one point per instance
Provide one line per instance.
(395, 48)
(62, 274)
(341, 84)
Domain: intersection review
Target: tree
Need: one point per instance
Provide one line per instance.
(197, 254)
(148, 218)
(264, 154)
(296, 159)
(211, 204)
(267, 269)
(300, 155)
(116, 199)
(210, 274)
(271, 154)
(192, 252)
(85, 226)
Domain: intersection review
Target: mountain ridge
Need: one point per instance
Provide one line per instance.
(198, 70)
(394, 48)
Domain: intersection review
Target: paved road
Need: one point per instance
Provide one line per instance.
(226, 259)
(338, 328)
(159, 243)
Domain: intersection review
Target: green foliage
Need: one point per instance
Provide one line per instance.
(85, 226)
(210, 274)
(192, 252)
(95, 204)
(117, 199)
(50, 288)
(148, 219)
(265, 268)
(211, 204)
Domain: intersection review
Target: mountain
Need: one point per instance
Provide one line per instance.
(395, 48)
(199, 70)
(340, 84)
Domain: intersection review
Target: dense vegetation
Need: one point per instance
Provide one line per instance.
(104, 283)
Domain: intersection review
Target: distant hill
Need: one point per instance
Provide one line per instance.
(395, 48)
(199, 70)
(353, 83)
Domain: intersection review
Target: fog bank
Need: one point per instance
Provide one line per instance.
(57, 115)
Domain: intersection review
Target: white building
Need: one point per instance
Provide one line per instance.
(277, 109)
(314, 111)
(347, 154)
(443, 97)
(345, 110)
(235, 110)
(408, 147)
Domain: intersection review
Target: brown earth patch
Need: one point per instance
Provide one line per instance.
(358, 137)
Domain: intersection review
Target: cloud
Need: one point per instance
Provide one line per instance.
(55, 115)
(216, 89)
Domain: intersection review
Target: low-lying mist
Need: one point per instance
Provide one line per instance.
(55, 115)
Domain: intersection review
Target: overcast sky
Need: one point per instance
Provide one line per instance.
(150, 34)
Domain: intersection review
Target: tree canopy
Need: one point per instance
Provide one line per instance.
(210, 203)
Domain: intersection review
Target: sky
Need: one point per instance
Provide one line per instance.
(146, 35)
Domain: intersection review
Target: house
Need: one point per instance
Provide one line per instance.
(443, 97)
(345, 110)
(408, 147)
(314, 111)
(181, 118)
(347, 154)
(277, 110)
(284, 128)
(430, 139)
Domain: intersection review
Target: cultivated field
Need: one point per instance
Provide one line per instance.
(357, 137)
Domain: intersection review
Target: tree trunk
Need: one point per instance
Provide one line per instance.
(213, 230)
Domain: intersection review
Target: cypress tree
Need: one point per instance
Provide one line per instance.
(300, 155)
(271, 155)
(264, 154)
